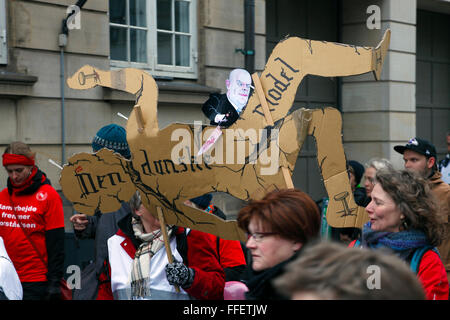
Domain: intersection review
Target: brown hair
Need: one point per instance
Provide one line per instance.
(412, 196)
(290, 213)
(20, 148)
(330, 270)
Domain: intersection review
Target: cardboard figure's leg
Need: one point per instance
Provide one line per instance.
(328, 59)
(342, 212)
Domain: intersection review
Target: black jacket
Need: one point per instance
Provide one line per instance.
(219, 104)
(101, 227)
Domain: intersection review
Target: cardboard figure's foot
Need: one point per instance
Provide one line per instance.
(379, 53)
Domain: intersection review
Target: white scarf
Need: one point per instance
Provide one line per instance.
(140, 272)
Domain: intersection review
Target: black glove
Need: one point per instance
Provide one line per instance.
(178, 274)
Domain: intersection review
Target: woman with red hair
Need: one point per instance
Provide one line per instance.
(32, 224)
(277, 226)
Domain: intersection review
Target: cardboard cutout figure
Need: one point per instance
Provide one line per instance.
(253, 156)
(224, 109)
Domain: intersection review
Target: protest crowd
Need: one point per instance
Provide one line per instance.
(289, 253)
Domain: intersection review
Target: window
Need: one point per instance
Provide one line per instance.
(157, 35)
(3, 42)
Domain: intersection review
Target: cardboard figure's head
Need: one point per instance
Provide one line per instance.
(238, 87)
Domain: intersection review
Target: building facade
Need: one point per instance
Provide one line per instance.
(189, 46)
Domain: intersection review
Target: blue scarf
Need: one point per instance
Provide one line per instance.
(403, 243)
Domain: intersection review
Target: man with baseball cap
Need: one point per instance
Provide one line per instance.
(419, 155)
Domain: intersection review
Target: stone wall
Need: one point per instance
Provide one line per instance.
(380, 114)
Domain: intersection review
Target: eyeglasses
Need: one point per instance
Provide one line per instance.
(259, 236)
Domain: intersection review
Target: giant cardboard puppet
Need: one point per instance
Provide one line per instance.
(256, 154)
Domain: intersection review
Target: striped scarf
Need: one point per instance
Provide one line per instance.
(403, 243)
(140, 272)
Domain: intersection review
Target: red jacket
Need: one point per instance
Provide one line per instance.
(231, 257)
(432, 275)
(201, 256)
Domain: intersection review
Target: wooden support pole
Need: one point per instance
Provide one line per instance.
(139, 118)
(162, 222)
(262, 99)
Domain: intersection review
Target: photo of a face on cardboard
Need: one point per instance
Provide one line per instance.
(238, 88)
(164, 165)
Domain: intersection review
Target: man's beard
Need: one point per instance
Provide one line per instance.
(423, 173)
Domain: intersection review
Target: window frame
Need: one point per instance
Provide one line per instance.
(3, 34)
(152, 66)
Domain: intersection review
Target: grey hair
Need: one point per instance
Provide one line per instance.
(379, 163)
(135, 203)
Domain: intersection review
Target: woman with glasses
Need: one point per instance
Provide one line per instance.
(277, 226)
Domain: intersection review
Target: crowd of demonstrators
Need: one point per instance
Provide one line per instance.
(32, 224)
(408, 212)
(444, 164)
(278, 226)
(332, 271)
(139, 267)
(420, 156)
(100, 226)
(403, 218)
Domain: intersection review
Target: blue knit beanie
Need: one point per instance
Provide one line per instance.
(113, 137)
(203, 201)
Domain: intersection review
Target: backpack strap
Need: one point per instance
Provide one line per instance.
(418, 255)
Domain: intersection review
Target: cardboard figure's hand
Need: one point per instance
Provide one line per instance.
(226, 121)
(218, 118)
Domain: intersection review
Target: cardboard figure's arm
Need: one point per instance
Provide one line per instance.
(210, 107)
(216, 106)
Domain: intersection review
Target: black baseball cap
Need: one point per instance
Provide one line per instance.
(420, 146)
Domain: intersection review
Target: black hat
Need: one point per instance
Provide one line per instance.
(418, 145)
(203, 201)
(358, 168)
